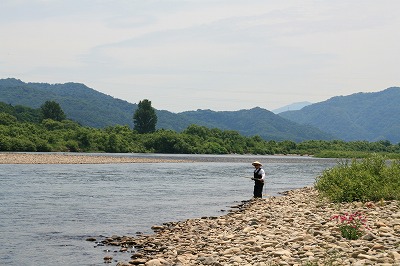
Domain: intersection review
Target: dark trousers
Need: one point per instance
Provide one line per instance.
(258, 188)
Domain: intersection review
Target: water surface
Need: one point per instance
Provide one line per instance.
(47, 211)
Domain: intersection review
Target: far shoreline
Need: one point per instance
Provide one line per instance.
(23, 157)
(78, 158)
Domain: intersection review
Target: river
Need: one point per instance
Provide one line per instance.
(47, 211)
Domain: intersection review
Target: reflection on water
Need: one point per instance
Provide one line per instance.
(47, 211)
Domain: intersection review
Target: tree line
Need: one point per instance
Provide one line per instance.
(47, 129)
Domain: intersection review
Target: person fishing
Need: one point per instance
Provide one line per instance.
(259, 176)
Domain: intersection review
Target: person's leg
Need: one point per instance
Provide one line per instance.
(258, 187)
(261, 190)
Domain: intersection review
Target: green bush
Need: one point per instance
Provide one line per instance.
(42, 146)
(72, 145)
(369, 179)
(5, 143)
(22, 144)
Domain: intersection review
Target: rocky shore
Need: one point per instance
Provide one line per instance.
(59, 158)
(293, 229)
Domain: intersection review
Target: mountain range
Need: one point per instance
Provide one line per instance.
(370, 116)
(291, 107)
(361, 116)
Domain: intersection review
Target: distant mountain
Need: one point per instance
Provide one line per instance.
(291, 107)
(95, 109)
(256, 121)
(361, 116)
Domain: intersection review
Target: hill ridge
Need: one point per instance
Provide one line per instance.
(370, 116)
(92, 108)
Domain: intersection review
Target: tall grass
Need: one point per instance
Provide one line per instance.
(369, 179)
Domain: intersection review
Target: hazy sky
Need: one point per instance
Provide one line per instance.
(205, 54)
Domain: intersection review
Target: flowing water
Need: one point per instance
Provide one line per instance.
(47, 211)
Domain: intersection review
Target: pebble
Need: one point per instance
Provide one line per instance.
(59, 158)
(293, 229)
(107, 259)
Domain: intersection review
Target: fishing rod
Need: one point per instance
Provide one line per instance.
(252, 178)
(248, 177)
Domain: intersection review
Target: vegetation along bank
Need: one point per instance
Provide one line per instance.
(23, 129)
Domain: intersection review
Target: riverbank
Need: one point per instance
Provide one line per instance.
(60, 158)
(294, 229)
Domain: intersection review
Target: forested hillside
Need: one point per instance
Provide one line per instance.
(80, 103)
(21, 113)
(92, 108)
(256, 121)
(360, 116)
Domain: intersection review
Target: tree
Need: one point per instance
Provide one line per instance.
(7, 119)
(52, 110)
(145, 118)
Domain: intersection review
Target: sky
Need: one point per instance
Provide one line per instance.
(223, 55)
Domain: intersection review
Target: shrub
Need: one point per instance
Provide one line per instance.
(72, 145)
(5, 143)
(369, 179)
(22, 144)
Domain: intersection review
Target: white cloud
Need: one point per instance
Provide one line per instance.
(222, 55)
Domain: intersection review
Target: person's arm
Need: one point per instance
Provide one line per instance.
(262, 172)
